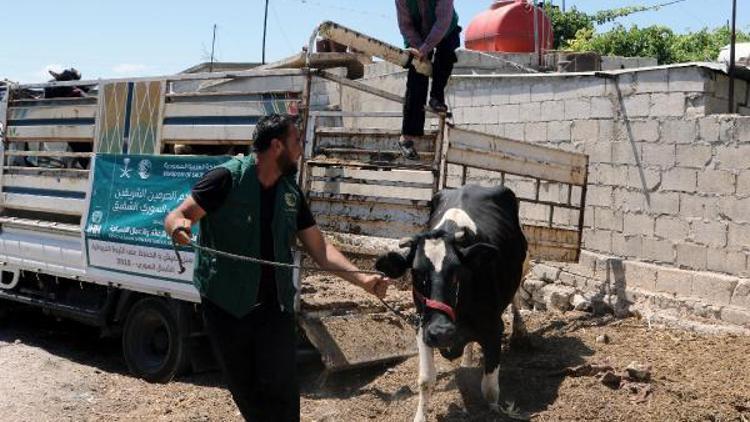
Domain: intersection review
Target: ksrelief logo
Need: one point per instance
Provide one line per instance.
(144, 169)
(291, 200)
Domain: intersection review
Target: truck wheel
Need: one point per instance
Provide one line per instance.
(154, 347)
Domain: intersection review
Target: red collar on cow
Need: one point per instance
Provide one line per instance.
(434, 304)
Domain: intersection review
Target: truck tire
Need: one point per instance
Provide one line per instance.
(154, 346)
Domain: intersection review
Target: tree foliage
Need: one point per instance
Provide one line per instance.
(577, 31)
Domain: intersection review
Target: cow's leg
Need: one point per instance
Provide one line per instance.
(427, 377)
(467, 359)
(519, 328)
(491, 378)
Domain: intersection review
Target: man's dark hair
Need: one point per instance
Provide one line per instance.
(268, 128)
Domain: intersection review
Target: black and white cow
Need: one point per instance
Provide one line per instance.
(465, 272)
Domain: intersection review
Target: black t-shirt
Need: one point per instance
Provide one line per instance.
(210, 193)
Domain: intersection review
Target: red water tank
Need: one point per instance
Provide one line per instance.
(508, 27)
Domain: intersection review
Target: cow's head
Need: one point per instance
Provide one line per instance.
(71, 74)
(440, 260)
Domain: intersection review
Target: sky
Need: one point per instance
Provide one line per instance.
(107, 38)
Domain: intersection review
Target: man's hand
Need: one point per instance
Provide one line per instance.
(415, 52)
(376, 285)
(182, 233)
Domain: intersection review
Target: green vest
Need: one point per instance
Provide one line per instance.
(235, 228)
(416, 18)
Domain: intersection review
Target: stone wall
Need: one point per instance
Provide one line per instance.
(667, 221)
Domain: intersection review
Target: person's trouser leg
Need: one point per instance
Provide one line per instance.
(442, 66)
(276, 368)
(233, 345)
(415, 100)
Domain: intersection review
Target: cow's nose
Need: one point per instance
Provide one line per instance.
(439, 335)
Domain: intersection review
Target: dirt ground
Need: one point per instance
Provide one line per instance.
(58, 370)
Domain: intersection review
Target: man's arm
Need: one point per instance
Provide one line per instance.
(443, 19)
(327, 256)
(185, 215)
(406, 25)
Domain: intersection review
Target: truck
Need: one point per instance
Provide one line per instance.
(86, 181)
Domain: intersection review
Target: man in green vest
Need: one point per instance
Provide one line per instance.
(430, 29)
(253, 207)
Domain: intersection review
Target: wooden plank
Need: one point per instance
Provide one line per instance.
(381, 114)
(205, 142)
(39, 225)
(406, 176)
(17, 153)
(468, 139)
(359, 86)
(515, 165)
(53, 112)
(551, 243)
(369, 45)
(75, 184)
(220, 108)
(207, 132)
(50, 133)
(424, 194)
(347, 131)
(47, 204)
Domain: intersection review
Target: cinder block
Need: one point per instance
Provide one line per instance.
(739, 236)
(733, 158)
(723, 261)
(515, 131)
(559, 131)
(637, 105)
(519, 92)
(652, 81)
(567, 87)
(710, 233)
(599, 196)
(665, 203)
(658, 155)
(741, 294)
(693, 206)
(607, 219)
(591, 86)
(623, 153)
(743, 183)
(463, 98)
(668, 105)
(672, 228)
(716, 182)
(736, 316)
(627, 246)
(629, 201)
(536, 132)
(692, 256)
(597, 240)
(577, 109)
(607, 130)
(488, 115)
(714, 288)
(658, 250)
(508, 113)
(680, 179)
(638, 224)
(675, 282)
(639, 275)
(531, 112)
(689, 79)
(679, 131)
(481, 98)
(645, 130)
(542, 91)
(742, 129)
(607, 174)
(642, 178)
(585, 131)
(714, 129)
(738, 210)
(600, 151)
(693, 156)
(602, 108)
(553, 110)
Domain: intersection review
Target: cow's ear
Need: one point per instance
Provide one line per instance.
(478, 253)
(392, 264)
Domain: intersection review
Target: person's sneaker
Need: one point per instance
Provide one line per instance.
(438, 106)
(406, 145)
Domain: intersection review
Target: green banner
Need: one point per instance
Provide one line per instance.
(130, 197)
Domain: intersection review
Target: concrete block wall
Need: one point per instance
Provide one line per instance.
(667, 222)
